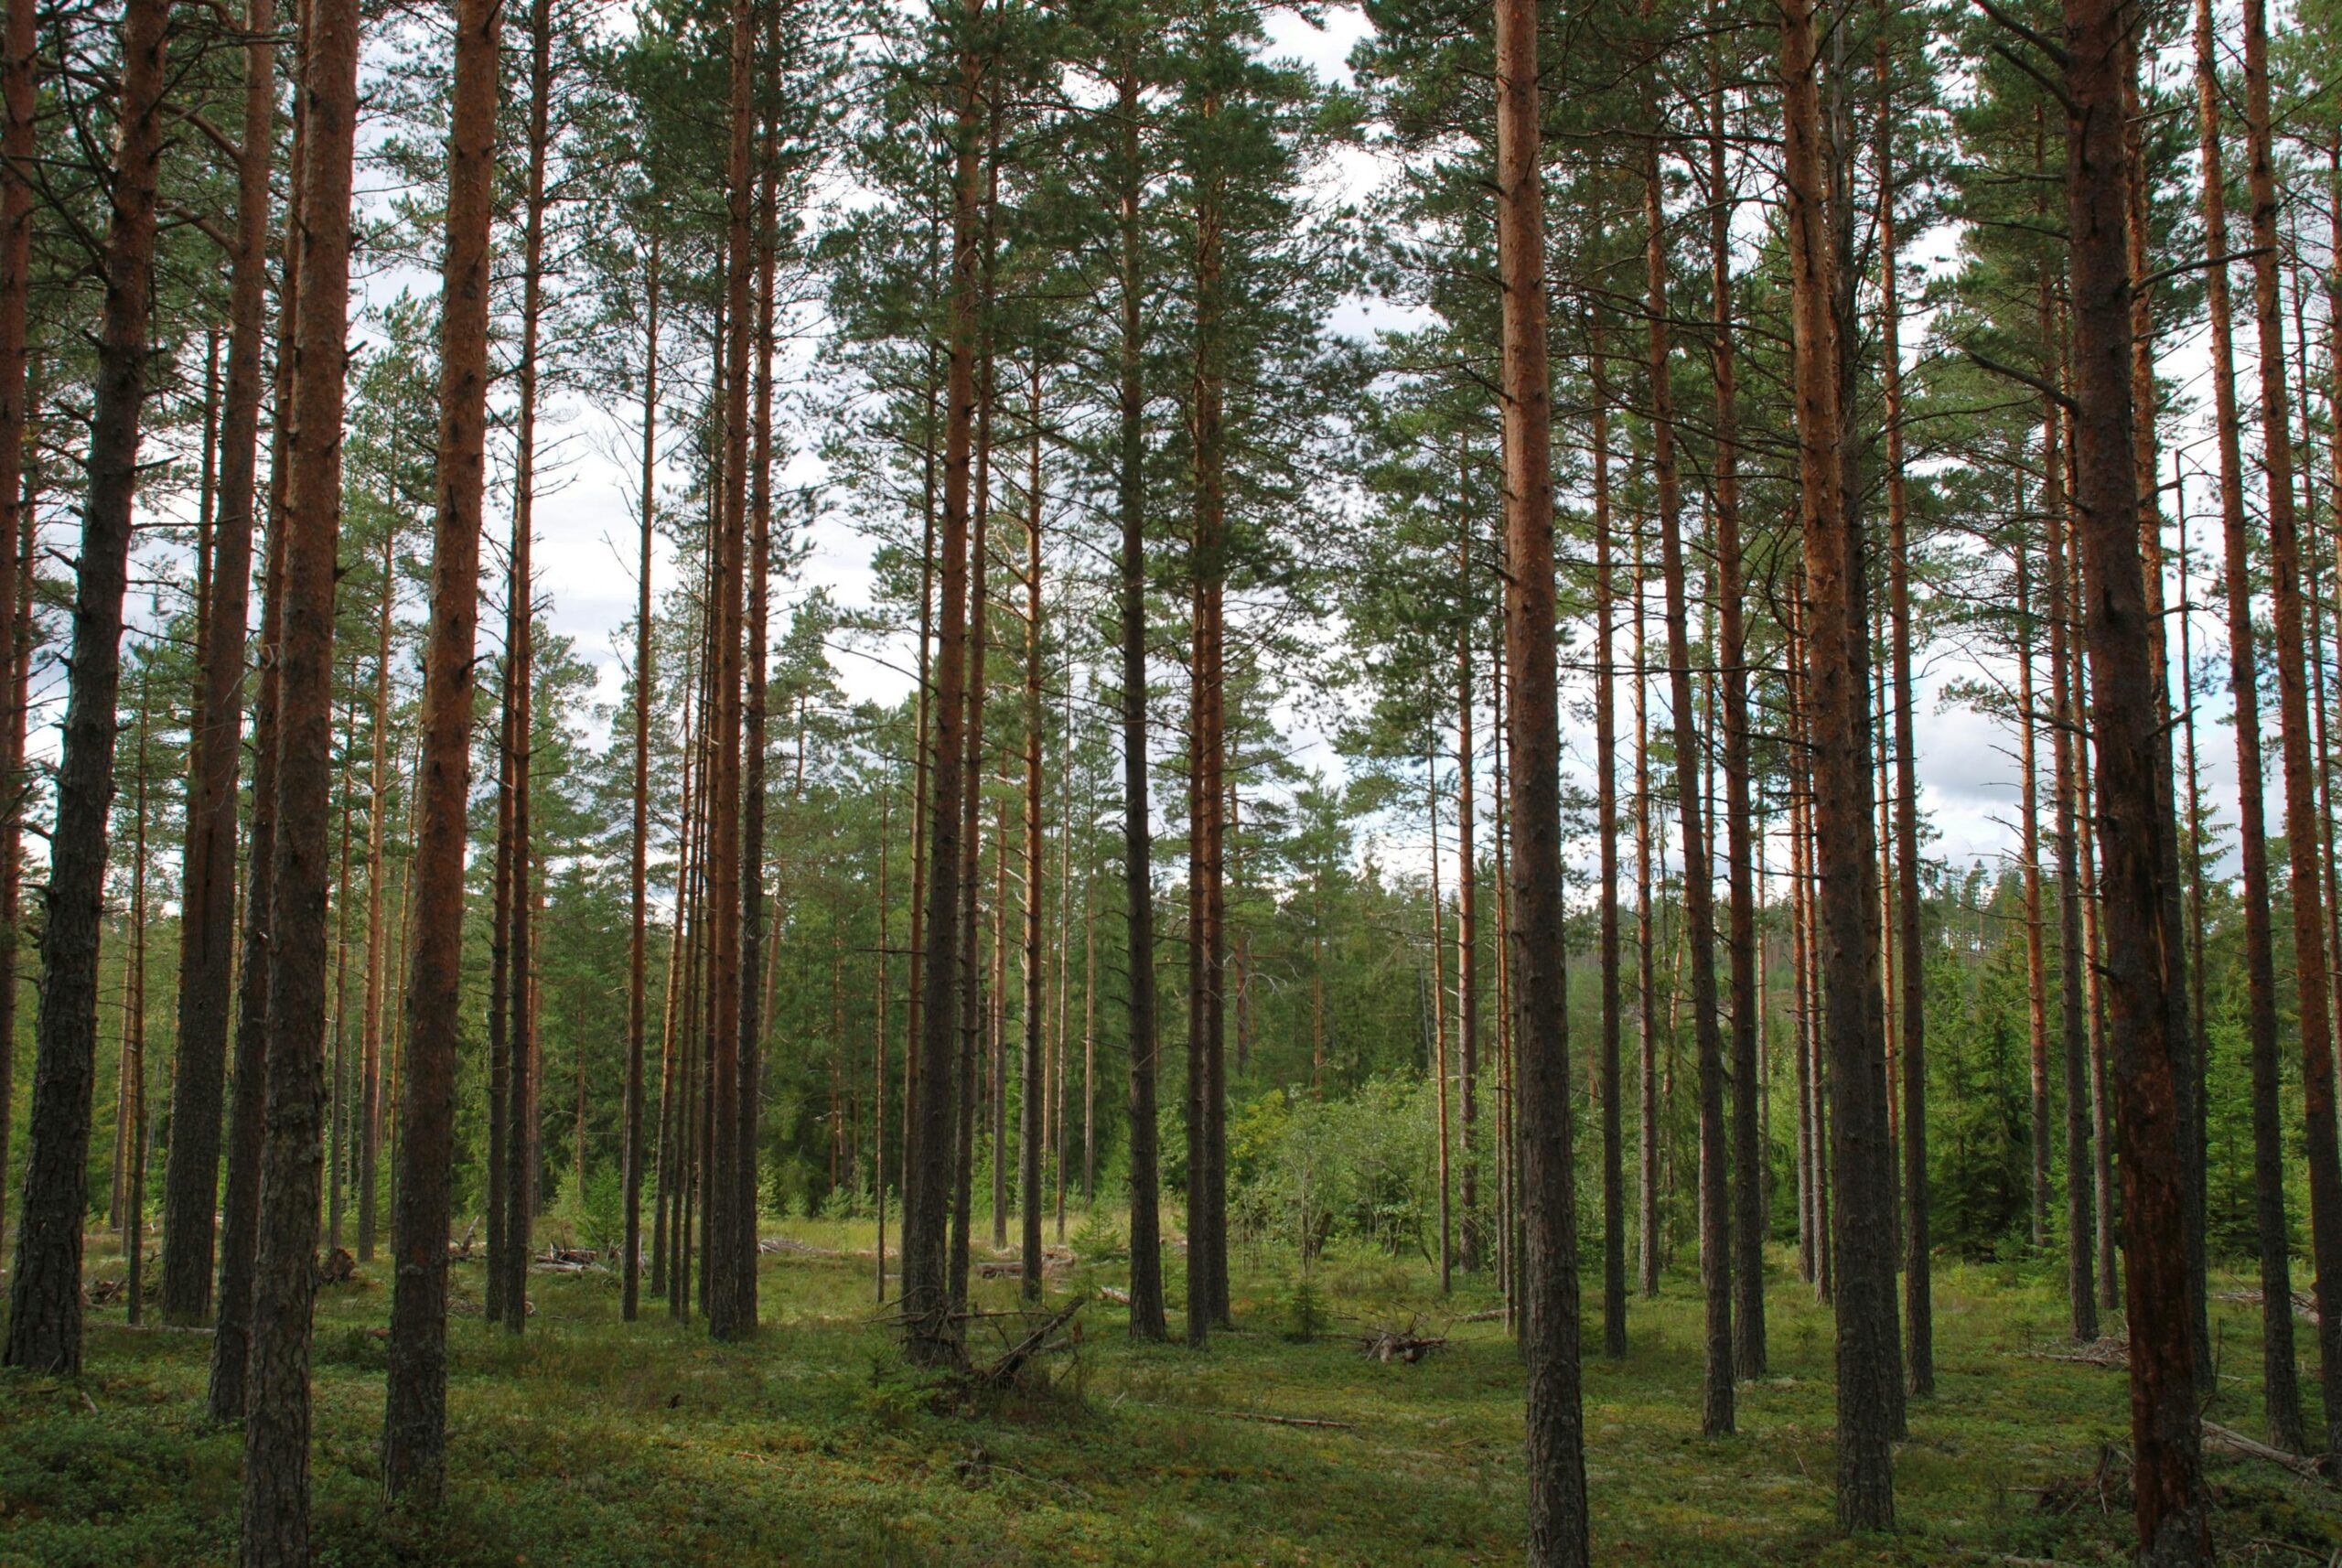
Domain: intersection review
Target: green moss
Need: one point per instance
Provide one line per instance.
(590, 1442)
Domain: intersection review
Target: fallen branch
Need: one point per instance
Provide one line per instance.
(2234, 1442)
(2112, 1352)
(1002, 1372)
(1280, 1419)
(2304, 1303)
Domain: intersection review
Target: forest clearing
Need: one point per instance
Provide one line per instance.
(593, 1442)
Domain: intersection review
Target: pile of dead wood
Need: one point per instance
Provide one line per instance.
(568, 1261)
(791, 1246)
(1042, 1336)
(339, 1269)
(1388, 1344)
(2113, 1352)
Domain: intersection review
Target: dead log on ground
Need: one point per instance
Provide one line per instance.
(2234, 1442)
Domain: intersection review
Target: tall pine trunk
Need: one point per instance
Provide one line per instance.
(45, 1288)
(2167, 1479)
(18, 52)
(638, 930)
(1918, 1295)
(207, 903)
(931, 1332)
(1556, 1421)
(1748, 1150)
(377, 970)
(1836, 692)
(1138, 871)
(1698, 888)
(2302, 818)
(1606, 784)
(415, 1420)
(277, 1417)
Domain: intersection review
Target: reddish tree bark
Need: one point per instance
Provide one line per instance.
(45, 1287)
(416, 1407)
(277, 1417)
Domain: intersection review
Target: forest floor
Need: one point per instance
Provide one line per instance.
(587, 1441)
